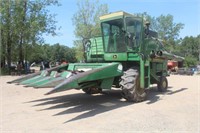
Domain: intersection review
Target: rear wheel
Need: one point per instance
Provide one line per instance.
(91, 91)
(162, 85)
(130, 85)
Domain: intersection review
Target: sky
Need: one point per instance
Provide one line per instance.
(184, 11)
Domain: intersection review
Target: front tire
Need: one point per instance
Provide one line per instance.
(130, 85)
(162, 85)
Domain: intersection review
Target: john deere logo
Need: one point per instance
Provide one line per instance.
(114, 56)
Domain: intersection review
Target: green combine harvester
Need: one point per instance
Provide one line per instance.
(128, 55)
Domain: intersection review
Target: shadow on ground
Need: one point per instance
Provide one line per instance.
(153, 95)
(94, 105)
(80, 102)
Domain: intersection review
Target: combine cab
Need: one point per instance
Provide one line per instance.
(128, 55)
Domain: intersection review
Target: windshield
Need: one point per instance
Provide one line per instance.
(133, 28)
(114, 36)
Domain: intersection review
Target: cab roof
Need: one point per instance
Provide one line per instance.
(115, 15)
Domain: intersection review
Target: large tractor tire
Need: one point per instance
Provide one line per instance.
(130, 85)
(162, 85)
(91, 91)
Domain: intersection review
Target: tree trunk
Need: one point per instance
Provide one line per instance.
(8, 34)
(21, 51)
(9, 49)
(22, 37)
(3, 49)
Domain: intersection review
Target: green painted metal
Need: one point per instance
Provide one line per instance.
(44, 80)
(95, 51)
(142, 77)
(144, 51)
(115, 56)
(133, 57)
(29, 76)
(36, 78)
(107, 70)
(53, 81)
(149, 72)
(107, 83)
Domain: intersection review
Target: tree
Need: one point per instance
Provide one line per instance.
(6, 34)
(190, 61)
(50, 53)
(79, 50)
(22, 24)
(190, 49)
(86, 21)
(197, 42)
(166, 28)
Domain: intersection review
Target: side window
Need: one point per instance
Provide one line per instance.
(115, 29)
(133, 27)
(106, 34)
(114, 36)
(106, 29)
(138, 27)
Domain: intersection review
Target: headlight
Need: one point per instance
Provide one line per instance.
(120, 67)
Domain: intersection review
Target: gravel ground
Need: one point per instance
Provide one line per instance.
(29, 110)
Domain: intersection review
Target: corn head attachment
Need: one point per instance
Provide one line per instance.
(100, 76)
(75, 76)
(36, 76)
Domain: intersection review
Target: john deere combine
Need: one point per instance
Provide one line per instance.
(128, 55)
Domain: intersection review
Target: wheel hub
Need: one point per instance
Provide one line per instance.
(164, 84)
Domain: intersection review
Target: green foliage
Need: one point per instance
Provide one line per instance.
(191, 46)
(190, 49)
(165, 26)
(22, 24)
(87, 23)
(86, 19)
(56, 52)
(79, 54)
(167, 29)
(60, 52)
(190, 61)
(4, 71)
